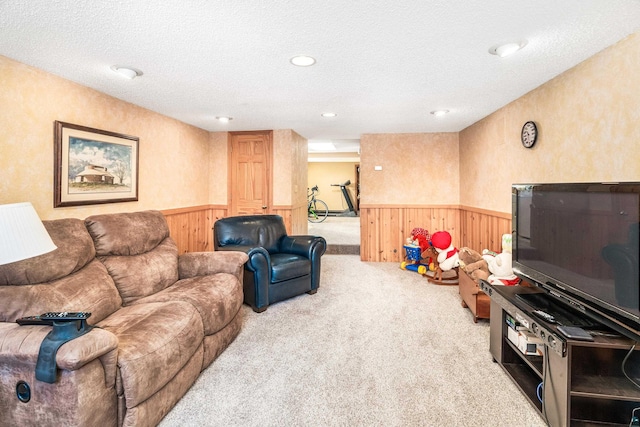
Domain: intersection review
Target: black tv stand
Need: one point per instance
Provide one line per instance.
(582, 381)
(564, 315)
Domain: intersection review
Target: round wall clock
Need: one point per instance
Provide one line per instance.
(529, 134)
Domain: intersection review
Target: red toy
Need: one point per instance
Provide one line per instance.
(418, 243)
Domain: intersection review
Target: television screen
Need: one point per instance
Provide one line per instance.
(581, 240)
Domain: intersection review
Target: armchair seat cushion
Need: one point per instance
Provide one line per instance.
(288, 266)
(156, 340)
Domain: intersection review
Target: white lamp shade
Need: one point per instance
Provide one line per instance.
(22, 234)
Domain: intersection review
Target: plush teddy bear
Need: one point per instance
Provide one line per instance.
(473, 264)
(500, 268)
(448, 257)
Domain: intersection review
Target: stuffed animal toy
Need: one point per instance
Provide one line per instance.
(420, 237)
(473, 264)
(447, 254)
(501, 270)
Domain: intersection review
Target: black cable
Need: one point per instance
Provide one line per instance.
(635, 421)
(545, 373)
(624, 362)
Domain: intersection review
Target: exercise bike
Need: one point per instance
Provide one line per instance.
(350, 211)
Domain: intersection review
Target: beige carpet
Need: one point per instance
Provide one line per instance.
(341, 233)
(376, 346)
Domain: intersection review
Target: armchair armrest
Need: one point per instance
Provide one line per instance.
(307, 246)
(20, 344)
(206, 263)
(258, 273)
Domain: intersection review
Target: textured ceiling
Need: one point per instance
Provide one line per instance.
(382, 66)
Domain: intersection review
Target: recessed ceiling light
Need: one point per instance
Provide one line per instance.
(224, 119)
(439, 112)
(303, 61)
(507, 49)
(128, 72)
(328, 114)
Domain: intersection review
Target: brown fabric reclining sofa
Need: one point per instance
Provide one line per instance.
(159, 320)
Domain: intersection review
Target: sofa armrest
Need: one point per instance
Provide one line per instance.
(258, 257)
(194, 264)
(307, 246)
(21, 344)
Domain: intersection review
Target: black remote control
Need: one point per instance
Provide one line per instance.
(33, 320)
(544, 315)
(50, 317)
(65, 316)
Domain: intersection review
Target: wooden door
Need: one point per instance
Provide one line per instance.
(250, 169)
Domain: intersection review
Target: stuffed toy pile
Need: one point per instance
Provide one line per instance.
(500, 268)
(495, 268)
(448, 257)
(473, 264)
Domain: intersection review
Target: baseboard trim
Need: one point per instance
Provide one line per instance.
(342, 249)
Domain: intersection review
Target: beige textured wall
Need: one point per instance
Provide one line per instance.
(323, 174)
(289, 168)
(173, 155)
(417, 169)
(588, 120)
(218, 167)
(300, 170)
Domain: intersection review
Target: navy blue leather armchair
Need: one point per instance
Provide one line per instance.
(279, 266)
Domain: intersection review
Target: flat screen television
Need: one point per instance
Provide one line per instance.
(580, 242)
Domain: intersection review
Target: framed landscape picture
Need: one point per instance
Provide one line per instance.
(93, 166)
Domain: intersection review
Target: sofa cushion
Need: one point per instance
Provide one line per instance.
(217, 298)
(138, 276)
(156, 340)
(130, 233)
(66, 279)
(75, 250)
(288, 266)
(137, 251)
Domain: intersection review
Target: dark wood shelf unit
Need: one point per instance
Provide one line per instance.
(534, 362)
(584, 384)
(527, 383)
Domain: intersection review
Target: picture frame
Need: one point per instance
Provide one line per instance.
(93, 166)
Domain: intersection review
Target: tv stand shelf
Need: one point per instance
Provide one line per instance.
(583, 382)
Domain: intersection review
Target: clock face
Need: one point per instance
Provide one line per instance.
(529, 134)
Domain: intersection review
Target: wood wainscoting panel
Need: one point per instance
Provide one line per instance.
(191, 228)
(295, 218)
(286, 214)
(384, 229)
(482, 229)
